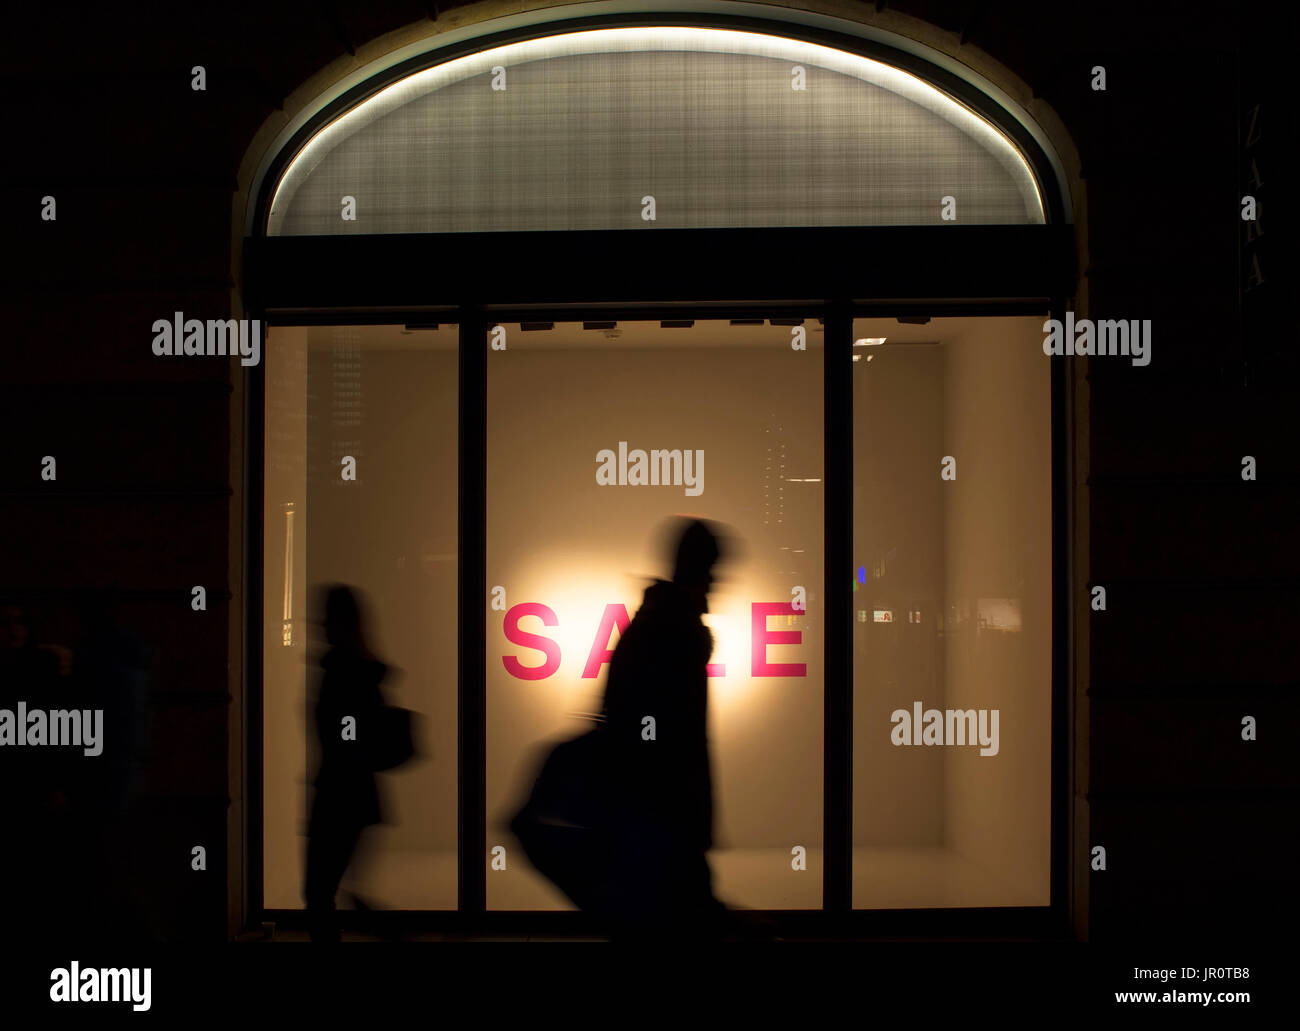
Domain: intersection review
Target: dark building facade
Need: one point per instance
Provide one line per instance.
(161, 205)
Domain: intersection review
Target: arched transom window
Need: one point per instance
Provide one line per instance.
(653, 127)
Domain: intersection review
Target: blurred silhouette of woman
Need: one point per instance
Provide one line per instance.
(347, 795)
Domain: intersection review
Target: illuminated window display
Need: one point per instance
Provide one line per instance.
(952, 645)
(386, 397)
(581, 439)
(595, 438)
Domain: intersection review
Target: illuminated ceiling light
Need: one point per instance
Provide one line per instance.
(650, 39)
(869, 342)
(869, 357)
(857, 357)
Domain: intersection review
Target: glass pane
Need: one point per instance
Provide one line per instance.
(725, 422)
(653, 127)
(387, 398)
(953, 613)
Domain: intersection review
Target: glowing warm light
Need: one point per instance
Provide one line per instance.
(645, 39)
(869, 342)
(286, 630)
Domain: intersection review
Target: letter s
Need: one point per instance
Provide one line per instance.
(526, 640)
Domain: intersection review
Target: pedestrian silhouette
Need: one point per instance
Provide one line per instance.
(348, 707)
(621, 817)
(656, 718)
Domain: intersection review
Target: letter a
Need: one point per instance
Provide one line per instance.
(162, 341)
(902, 732)
(1052, 345)
(59, 990)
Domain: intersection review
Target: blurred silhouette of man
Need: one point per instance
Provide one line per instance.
(663, 810)
(347, 795)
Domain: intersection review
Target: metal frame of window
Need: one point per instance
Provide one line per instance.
(835, 274)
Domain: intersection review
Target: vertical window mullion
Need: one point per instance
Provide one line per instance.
(837, 893)
(471, 570)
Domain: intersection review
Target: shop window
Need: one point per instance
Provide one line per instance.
(571, 557)
(386, 397)
(952, 589)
